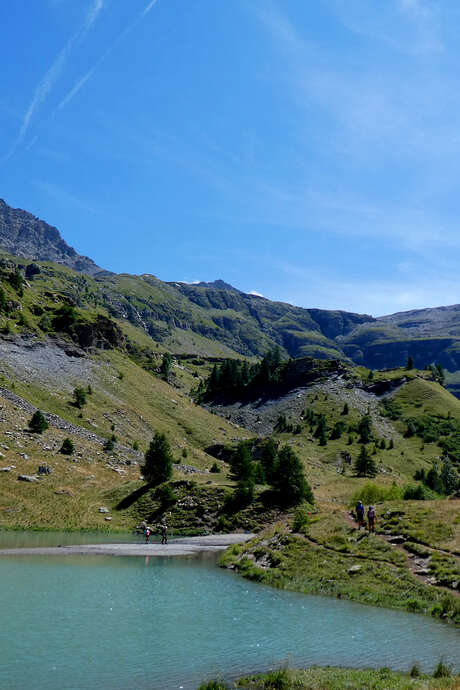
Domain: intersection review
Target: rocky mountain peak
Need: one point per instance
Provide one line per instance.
(23, 234)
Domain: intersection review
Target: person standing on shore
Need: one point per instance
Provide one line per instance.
(147, 534)
(164, 533)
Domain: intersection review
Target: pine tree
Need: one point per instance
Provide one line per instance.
(365, 429)
(79, 396)
(67, 447)
(241, 462)
(345, 409)
(321, 427)
(410, 362)
(2, 299)
(38, 423)
(289, 479)
(166, 364)
(364, 464)
(269, 458)
(158, 463)
(449, 477)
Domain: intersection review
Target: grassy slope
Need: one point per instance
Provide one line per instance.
(331, 678)
(136, 405)
(318, 560)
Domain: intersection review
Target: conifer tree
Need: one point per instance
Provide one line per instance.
(289, 480)
(269, 458)
(38, 423)
(365, 429)
(158, 463)
(449, 477)
(166, 364)
(410, 363)
(364, 464)
(67, 447)
(241, 462)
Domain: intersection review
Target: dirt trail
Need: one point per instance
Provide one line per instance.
(414, 563)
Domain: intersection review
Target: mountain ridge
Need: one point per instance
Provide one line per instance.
(23, 234)
(215, 318)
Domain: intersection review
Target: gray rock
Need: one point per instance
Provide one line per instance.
(45, 469)
(354, 569)
(103, 509)
(24, 455)
(397, 539)
(7, 469)
(28, 478)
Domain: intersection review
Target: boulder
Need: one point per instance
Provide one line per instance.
(103, 509)
(354, 569)
(45, 469)
(397, 539)
(28, 478)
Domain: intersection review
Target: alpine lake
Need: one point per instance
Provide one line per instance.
(150, 623)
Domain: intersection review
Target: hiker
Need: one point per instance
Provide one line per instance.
(164, 533)
(360, 514)
(147, 534)
(371, 518)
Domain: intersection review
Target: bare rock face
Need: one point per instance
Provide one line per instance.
(23, 234)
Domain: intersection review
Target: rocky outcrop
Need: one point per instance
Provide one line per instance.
(23, 234)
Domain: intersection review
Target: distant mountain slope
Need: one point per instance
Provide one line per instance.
(216, 319)
(427, 335)
(23, 234)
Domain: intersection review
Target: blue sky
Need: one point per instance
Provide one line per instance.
(305, 150)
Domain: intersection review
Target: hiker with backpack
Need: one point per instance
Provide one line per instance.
(371, 518)
(360, 514)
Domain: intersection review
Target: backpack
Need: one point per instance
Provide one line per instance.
(371, 514)
(359, 509)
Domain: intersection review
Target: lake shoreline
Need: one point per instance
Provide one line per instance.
(183, 546)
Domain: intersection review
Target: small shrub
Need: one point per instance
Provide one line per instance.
(109, 445)
(184, 453)
(415, 671)
(301, 517)
(414, 605)
(38, 423)
(414, 493)
(79, 397)
(135, 445)
(442, 670)
(277, 680)
(67, 447)
(165, 495)
(215, 468)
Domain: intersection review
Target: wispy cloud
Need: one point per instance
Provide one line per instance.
(54, 72)
(82, 81)
(62, 196)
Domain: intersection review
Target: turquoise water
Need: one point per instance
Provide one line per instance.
(15, 539)
(111, 623)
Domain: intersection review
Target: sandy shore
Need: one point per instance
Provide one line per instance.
(184, 546)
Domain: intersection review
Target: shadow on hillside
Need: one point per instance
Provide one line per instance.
(128, 501)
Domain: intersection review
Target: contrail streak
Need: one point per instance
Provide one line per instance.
(53, 73)
(82, 81)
